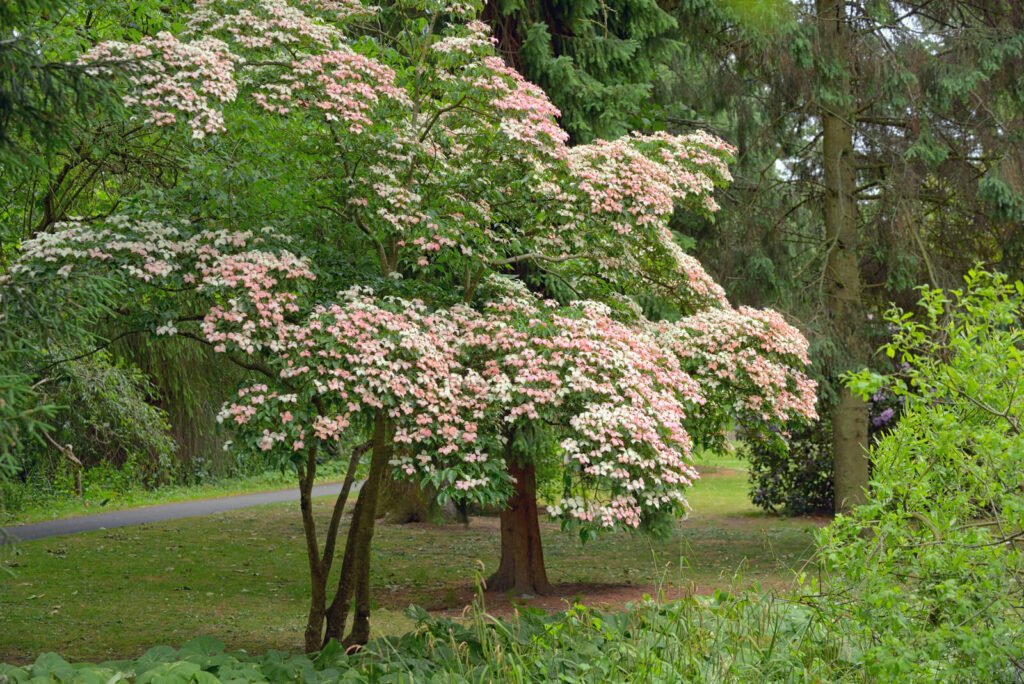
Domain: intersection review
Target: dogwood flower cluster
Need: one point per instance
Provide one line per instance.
(248, 285)
(749, 363)
(343, 84)
(638, 180)
(365, 354)
(533, 120)
(170, 77)
(144, 249)
(621, 401)
(477, 38)
(629, 188)
(261, 24)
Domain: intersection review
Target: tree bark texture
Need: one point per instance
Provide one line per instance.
(842, 268)
(521, 569)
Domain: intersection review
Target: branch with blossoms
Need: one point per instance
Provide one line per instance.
(751, 365)
(619, 402)
(476, 126)
(628, 400)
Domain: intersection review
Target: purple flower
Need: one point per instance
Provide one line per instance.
(883, 418)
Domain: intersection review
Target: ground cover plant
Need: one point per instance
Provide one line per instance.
(748, 637)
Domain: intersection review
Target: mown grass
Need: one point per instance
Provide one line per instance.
(241, 576)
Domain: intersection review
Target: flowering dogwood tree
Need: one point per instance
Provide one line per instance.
(453, 172)
(382, 363)
(624, 400)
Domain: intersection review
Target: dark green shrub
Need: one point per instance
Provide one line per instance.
(792, 474)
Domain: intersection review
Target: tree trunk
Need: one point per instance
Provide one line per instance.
(404, 501)
(842, 268)
(360, 632)
(317, 580)
(521, 569)
(850, 456)
(355, 568)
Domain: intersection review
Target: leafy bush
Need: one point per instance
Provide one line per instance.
(106, 416)
(793, 474)
(932, 567)
(104, 436)
(751, 637)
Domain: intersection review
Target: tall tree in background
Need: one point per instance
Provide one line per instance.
(842, 276)
(600, 62)
(879, 148)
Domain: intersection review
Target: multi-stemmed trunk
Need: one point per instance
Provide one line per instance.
(326, 622)
(521, 568)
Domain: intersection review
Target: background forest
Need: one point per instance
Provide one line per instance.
(873, 196)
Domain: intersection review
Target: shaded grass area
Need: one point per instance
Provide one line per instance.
(241, 576)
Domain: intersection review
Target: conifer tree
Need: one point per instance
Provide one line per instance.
(879, 148)
(600, 62)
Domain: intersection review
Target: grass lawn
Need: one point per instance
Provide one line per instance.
(241, 576)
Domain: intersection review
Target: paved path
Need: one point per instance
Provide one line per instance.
(139, 516)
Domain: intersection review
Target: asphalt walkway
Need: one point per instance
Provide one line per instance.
(140, 516)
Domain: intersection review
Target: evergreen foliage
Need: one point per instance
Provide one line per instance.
(603, 63)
